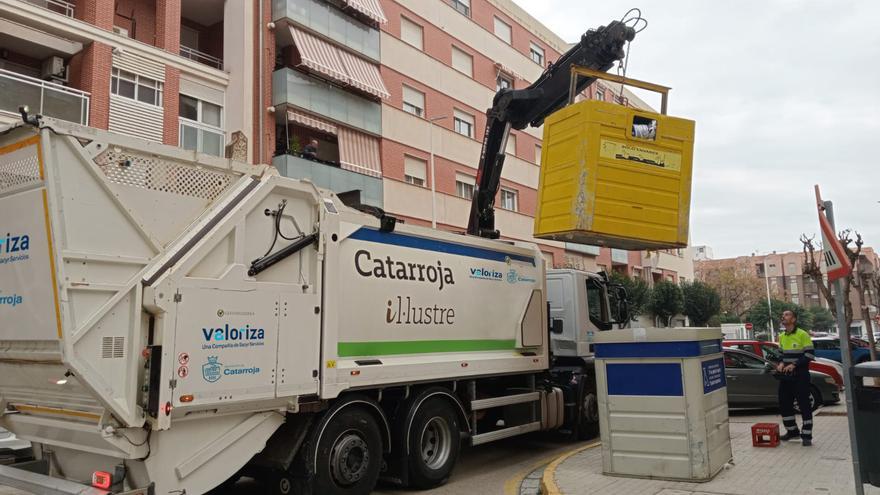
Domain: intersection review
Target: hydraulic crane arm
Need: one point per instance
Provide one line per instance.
(515, 109)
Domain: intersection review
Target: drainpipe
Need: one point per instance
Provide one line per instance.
(260, 109)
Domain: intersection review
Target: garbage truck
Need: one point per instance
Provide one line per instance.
(170, 321)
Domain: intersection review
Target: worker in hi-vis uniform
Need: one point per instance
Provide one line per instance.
(794, 383)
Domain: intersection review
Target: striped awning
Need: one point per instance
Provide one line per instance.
(311, 122)
(359, 152)
(319, 56)
(363, 75)
(370, 8)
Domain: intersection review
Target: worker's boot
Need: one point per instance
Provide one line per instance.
(790, 435)
(807, 442)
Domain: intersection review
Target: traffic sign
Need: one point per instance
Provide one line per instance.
(748, 326)
(837, 262)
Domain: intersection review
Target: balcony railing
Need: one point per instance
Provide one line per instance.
(331, 177)
(44, 98)
(60, 6)
(201, 57)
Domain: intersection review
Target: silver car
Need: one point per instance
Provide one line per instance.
(753, 382)
(12, 449)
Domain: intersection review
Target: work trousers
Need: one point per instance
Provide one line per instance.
(791, 388)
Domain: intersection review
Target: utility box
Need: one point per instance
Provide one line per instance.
(866, 392)
(615, 176)
(662, 403)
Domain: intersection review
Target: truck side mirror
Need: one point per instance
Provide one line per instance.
(621, 313)
(556, 325)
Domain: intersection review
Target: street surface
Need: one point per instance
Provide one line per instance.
(496, 469)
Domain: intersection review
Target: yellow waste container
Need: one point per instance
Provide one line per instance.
(615, 176)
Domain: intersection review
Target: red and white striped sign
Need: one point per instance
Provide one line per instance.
(836, 261)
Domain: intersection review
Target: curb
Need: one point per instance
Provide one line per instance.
(548, 480)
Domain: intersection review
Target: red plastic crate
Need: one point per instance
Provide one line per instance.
(765, 435)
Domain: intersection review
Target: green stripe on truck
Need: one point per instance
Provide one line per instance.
(348, 349)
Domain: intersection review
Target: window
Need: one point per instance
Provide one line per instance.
(201, 126)
(536, 53)
(463, 6)
(793, 282)
(411, 33)
(508, 199)
(503, 81)
(502, 30)
(538, 154)
(464, 123)
(413, 101)
(738, 360)
(130, 85)
(597, 305)
(511, 144)
(600, 95)
(414, 170)
(464, 186)
(462, 62)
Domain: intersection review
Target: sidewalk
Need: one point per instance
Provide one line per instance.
(788, 469)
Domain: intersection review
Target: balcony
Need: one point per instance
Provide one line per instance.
(330, 177)
(316, 96)
(201, 57)
(44, 98)
(202, 31)
(60, 6)
(327, 20)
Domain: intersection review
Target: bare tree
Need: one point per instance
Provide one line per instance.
(853, 248)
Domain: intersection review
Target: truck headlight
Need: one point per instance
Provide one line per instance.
(830, 380)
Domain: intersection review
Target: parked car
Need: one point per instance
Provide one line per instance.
(12, 449)
(753, 382)
(771, 352)
(829, 348)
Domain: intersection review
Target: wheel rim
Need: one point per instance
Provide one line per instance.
(436, 443)
(349, 458)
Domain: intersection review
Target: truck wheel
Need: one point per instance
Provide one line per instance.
(434, 443)
(588, 423)
(349, 455)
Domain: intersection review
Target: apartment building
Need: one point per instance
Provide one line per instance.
(782, 274)
(170, 71)
(394, 93)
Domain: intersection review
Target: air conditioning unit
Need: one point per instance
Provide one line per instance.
(54, 70)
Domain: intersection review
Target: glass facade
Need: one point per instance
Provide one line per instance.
(322, 98)
(325, 19)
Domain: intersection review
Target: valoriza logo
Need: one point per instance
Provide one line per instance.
(14, 243)
(229, 336)
(486, 274)
(14, 247)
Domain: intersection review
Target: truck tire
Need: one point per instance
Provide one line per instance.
(588, 423)
(349, 455)
(434, 442)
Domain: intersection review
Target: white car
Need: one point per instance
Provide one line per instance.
(12, 449)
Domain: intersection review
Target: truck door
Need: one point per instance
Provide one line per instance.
(225, 345)
(299, 337)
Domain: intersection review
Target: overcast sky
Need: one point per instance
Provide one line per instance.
(785, 95)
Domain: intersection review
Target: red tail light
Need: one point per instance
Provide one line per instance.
(167, 408)
(102, 480)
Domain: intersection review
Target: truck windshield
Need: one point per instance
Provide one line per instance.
(597, 303)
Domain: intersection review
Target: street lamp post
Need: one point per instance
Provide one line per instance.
(769, 306)
(433, 183)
